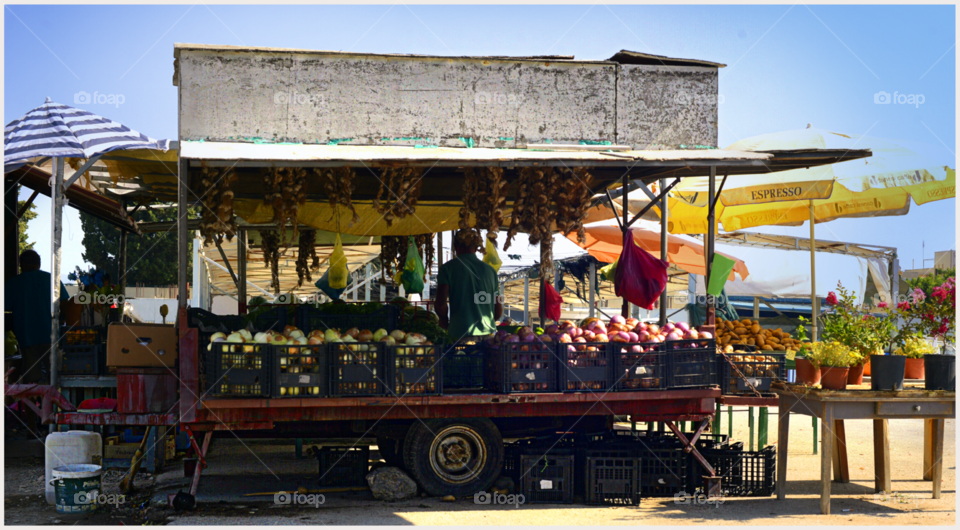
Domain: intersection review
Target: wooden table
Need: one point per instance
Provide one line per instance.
(832, 407)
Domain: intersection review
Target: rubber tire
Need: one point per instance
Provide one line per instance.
(391, 450)
(416, 457)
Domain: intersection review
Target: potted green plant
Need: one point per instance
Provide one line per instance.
(834, 359)
(913, 349)
(929, 314)
(864, 334)
(808, 371)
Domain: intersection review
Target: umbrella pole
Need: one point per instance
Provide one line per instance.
(711, 237)
(813, 278)
(663, 249)
(56, 224)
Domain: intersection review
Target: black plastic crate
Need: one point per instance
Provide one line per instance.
(275, 318)
(547, 478)
(310, 318)
(344, 467)
(704, 441)
(299, 370)
(639, 370)
(84, 359)
(613, 479)
(586, 366)
(208, 323)
(238, 369)
(415, 370)
(357, 369)
(761, 368)
(524, 367)
(463, 367)
(691, 363)
(743, 473)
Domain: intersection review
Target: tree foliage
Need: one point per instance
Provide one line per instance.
(151, 256)
(928, 283)
(28, 216)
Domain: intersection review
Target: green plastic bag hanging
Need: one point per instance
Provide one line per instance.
(490, 256)
(608, 272)
(413, 270)
(338, 272)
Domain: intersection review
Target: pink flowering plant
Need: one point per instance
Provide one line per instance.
(932, 315)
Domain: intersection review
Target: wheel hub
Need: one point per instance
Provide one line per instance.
(457, 454)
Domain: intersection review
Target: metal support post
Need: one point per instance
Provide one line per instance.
(716, 419)
(368, 271)
(730, 422)
(182, 234)
(815, 437)
(711, 242)
(241, 272)
(526, 300)
(750, 423)
(56, 202)
(813, 277)
(664, 220)
(625, 227)
(763, 427)
(122, 264)
(197, 272)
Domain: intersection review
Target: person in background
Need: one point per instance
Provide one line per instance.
(27, 296)
(468, 287)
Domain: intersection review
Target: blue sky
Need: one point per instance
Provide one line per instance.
(787, 67)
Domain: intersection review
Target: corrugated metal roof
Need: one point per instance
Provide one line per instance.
(629, 57)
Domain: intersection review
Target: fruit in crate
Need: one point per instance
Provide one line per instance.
(746, 332)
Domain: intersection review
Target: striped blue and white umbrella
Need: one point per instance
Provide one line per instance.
(57, 130)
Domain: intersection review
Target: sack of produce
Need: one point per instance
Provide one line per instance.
(640, 277)
(413, 270)
(324, 285)
(550, 303)
(608, 272)
(338, 272)
(491, 257)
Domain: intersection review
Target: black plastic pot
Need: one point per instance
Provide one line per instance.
(886, 372)
(941, 372)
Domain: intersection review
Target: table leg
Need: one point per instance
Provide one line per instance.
(826, 454)
(841, 467)
(783, 433)
(937, 471)
(927, 449)
(881, 456)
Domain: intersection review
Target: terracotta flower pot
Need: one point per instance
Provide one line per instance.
(914, 369)
(866, 368)
(834, 378)
(806, 373)
(855, 375)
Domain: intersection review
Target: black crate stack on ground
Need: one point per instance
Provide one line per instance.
(639, 370)
(525, 367)
(744, 473)
(84, 359)
(612, 478)
(761, 368)
(547, 478)
(343, 467)
(586, 367)
(664, 466)
(463, 367)
(299, 370)
(83, 335)
(238, 369)
(310, 318)
(357, 369)
(691, 363)
(415, 370)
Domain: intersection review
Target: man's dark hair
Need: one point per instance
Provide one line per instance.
(30, 260)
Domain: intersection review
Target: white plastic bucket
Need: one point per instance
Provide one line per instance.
(65, 448)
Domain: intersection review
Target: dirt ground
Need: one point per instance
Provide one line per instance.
(238, 467)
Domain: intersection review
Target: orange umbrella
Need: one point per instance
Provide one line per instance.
(604, 242)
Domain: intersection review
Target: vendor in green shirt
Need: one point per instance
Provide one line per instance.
(472, 289)
(27, 295)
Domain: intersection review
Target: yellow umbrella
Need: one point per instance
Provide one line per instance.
(880, 185)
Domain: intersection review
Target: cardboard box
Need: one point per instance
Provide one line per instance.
(141, 345)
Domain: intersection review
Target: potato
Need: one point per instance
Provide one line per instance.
(755, 329)
(740, 331)
(752, 342)
(767, 347)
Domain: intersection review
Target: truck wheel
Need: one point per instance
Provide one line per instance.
(457, 457)
(391, 450)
